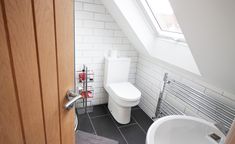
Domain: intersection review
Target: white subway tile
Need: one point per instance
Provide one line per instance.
(103, 17)
(119, 33)
(103, 46)
(93, 24)
(125, 41)
(103, 32)
(121, 47)
(92, 39)
(86, 1)
(84, 46)
(78, 24)
(94, 8)
(98, 2)
(84, 15)
(83, 32)
(112, 25)
(78, 6)
(112, 40)
(98, 60)
(92, 53)
(103, 100)
(81, 60)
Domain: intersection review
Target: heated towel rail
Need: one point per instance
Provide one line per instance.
(201, 103)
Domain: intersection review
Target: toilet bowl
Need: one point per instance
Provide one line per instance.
(122, 94)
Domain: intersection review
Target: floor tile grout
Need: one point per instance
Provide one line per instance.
(140, 126)
(131, 116)
(119, 130)
(92, 124)
(116, 125)
(98, 116)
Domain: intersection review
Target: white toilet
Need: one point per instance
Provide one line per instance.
(122, 94)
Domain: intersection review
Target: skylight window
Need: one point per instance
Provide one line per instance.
(164, 15)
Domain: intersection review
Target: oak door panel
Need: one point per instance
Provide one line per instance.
(19, 19)
(230, 139)
(65, 57)
(45, 34)
(10, 123)
(37, 69)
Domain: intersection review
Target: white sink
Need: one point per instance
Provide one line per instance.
(178, 129)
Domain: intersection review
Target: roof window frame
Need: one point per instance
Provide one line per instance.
(152, 20)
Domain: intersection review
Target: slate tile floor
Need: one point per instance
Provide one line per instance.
(101, 122)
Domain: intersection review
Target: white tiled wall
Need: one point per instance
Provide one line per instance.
(95, 34)
(149, 79)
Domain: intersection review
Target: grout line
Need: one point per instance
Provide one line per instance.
(98, 116)
(95, 12)
(119, 130)
(122, 135)
(88, 2)
(110, 115)
(92, 124)
(139, 125)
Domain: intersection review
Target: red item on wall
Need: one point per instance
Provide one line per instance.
(89, 94)
(82, 76)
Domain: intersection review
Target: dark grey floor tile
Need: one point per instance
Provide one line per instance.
(105, 127)
(118, 124)
(135, 107)
(84, 123)
(142, 118)
(98, 110)
(133, 134)
(105, 105)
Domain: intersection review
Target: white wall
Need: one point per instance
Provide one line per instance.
(208, 26)
(149, 79)
(96, 33)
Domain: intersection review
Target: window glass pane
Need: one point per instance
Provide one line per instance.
(164, 15)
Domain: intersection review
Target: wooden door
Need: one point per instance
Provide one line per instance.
(37, 68)
(231, 135)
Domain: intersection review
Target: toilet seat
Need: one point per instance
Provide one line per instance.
(124, 91)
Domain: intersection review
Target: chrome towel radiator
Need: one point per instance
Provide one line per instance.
(201, 103)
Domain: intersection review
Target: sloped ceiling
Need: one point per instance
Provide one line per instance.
(132, 20)
(207, 27)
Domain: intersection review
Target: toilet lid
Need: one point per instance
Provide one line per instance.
(125, 91)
